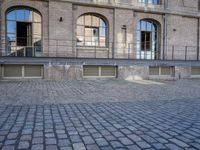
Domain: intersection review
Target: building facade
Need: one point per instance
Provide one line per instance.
(75, 39)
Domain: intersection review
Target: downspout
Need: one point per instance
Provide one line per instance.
(48, 25)
(0, 31)
(198, 38)
(164, 36)
(113, 43)
(164, 31)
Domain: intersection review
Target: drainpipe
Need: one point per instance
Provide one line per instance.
(198, 24)
(164, 36)
(113, 44)
(48, 25)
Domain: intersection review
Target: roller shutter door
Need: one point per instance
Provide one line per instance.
(91, 71)
(32, 71)
(162, 71)
(12, 71)
(22, 71)
(108, 71)
(195, 71)
(99, 71)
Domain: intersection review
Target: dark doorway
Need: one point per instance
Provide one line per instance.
(24, 34)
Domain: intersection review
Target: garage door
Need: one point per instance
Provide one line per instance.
(22, 71)
(99, 71)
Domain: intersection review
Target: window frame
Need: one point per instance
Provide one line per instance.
(35, 37)
(101, 28)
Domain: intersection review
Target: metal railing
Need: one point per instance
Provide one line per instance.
(110, 50)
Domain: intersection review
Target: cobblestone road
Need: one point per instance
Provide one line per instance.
(136, 124)
(92, 91)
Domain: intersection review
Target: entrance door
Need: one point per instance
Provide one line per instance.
(24, 39)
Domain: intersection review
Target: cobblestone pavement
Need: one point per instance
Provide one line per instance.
(92, 91)
(100, 115)
(135, 125)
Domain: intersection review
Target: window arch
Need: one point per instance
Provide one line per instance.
(154, 2)
(147, 39)
(92, 30)
(23, 31)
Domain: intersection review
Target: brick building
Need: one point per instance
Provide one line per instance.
(73, 39)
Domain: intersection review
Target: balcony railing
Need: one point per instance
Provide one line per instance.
(112, 50)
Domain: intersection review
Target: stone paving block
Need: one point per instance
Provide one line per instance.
(37, 147)
(101, 142)
(116, 144)
(92, 147)
(8, 148)
(134, 137)
(51, 147)
(63, 142)
(50, 141)
(143, 144)
(88, 140)
(179, 143)
(23, 145)
(173, 147)
(125, 141)
(79, 146)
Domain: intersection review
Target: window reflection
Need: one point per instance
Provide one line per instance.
(147, 39)
(154, 2)
(91, 30)
(23, 30)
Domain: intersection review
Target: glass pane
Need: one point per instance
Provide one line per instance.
(138, 36)
(95, 21)
(88, 20)
(28, 15)
(142, 36)
(88, 32)
(37, 42)
(11, 39)
(95, 32)
(20, 15)
(11, 15)
(149, 26)
(80, 20)
(37, 28)
(102, 23)
(80, 30)
(148, 36)
(143, 25)
(103, 32)
(37, 17)
(80, 40)
(11, 27)
(102, 41)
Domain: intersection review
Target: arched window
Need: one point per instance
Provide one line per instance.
(147, 39)
(23, 32)
(92, 30)
(154, 2)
